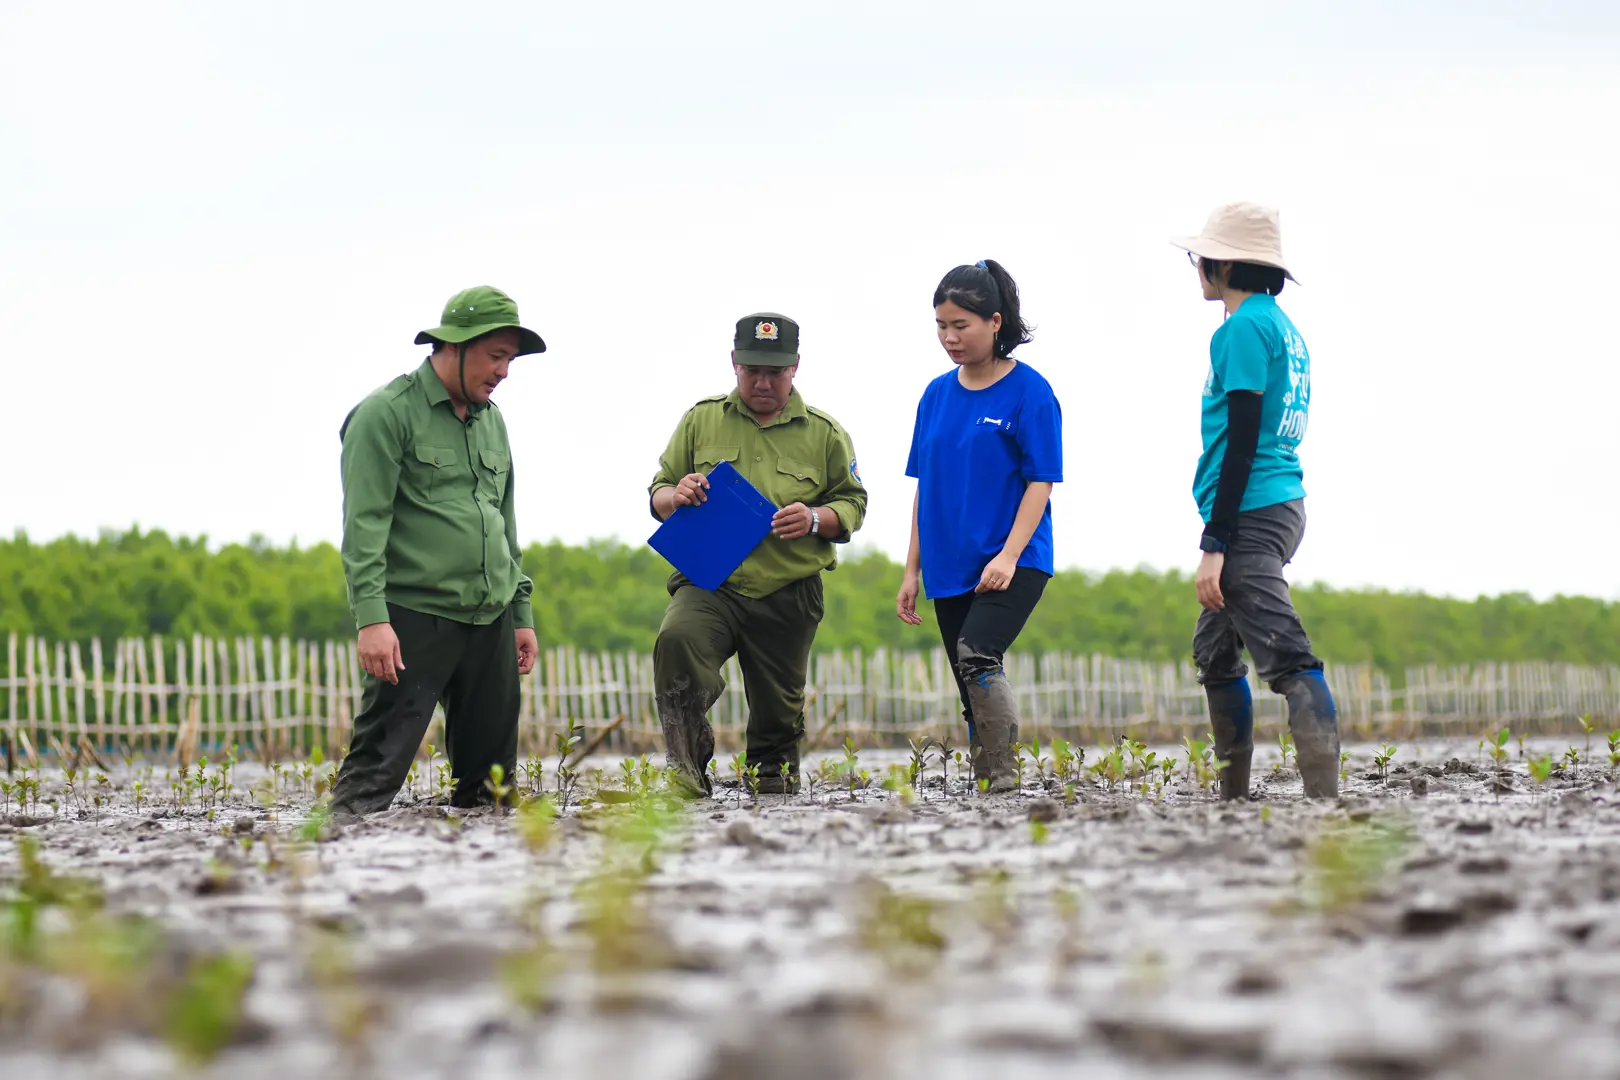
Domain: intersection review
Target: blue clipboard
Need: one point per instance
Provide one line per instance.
(707, 542)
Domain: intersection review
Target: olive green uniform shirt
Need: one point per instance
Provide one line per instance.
(428, 522)
(801, 456)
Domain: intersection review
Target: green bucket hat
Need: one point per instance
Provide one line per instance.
(476, 311)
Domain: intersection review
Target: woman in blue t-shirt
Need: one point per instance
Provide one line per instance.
(986, 450)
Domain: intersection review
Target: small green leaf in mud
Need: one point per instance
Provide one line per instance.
(1541, 768)
(536, 822)
(1265, 813)
(529, 976)
(1347, 863)
(207, 1010)
(1038, 832)
(900, 928)
(320, 815)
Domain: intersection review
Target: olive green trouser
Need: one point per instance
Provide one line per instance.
(771, 638)
(473, 670)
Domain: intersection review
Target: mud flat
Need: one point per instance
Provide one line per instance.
(1448, 917)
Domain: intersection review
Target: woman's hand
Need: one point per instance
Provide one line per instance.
(1208, 580)
(905, 604)
(998, 575)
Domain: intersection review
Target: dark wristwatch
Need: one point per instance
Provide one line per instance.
(1211, 545)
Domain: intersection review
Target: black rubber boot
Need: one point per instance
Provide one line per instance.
(1314, 720)
(1231, 718)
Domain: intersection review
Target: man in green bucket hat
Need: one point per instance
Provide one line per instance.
(431, 557)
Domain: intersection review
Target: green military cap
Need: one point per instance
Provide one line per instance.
(477, 311)
(769, 339)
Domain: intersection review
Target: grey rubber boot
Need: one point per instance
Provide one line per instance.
(1231, 718)
(1314, 720)
(995, 719)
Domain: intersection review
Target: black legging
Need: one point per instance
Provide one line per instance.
(987, 623)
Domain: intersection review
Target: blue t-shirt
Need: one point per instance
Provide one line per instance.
(1257, 349)
(973, 452)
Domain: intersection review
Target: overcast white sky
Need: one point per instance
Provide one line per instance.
(222, 224)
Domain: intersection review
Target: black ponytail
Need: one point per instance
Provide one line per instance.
(985, 289)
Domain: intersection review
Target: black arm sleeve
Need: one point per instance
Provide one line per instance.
(1242, 438)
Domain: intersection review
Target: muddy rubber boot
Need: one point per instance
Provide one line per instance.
(1314, 720)
(688, 742)
(994, 721)
(1231, 718)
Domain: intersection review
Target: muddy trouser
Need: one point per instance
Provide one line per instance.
(771, 638)
(1259, 614)
(978, 629)
(471, 669)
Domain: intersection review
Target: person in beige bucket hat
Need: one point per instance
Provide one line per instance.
(1250, 492)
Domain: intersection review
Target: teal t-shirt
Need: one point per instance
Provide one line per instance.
(1257, 349)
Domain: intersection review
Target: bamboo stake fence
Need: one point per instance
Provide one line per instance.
(282, 698)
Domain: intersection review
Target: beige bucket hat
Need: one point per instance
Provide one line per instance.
(1240, 232)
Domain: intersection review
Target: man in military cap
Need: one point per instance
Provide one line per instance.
(767, 611)
(431, 556)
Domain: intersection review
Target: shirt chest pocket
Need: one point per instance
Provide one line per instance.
(496, 466)
(797, 481)
(706, 457)
(436, 473)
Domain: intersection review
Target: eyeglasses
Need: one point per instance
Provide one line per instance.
(1193, 257)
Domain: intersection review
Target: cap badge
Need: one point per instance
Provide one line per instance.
(765, 331)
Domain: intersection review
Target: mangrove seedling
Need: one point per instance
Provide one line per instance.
(536, 823)
(850, 763)
(1588, 726)
(1062, 767)
(920, 745)
(1040, 762)
(1196, 750)
(1541, 769)
(1496, 746)
(1285, 746)
(751, 778)
(1614, 750)
(207, 1009)
(898, 781)
(498, 788)
(900, 929)
(1381, 760)
(563, 744)
(1572, 759)
(1346, 865)
(945, 751)
(1037, 832)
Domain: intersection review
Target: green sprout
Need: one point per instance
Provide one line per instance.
(1588, 726)
(1285, 745)
(1346, 865)
(1381, 760)
(205, 1013)
(497, 786)
(1496, 745)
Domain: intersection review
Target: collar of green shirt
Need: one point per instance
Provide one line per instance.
(433, 388)
(793, 410)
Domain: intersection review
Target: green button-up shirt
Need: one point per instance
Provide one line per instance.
(801, 456)
(428, 522)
